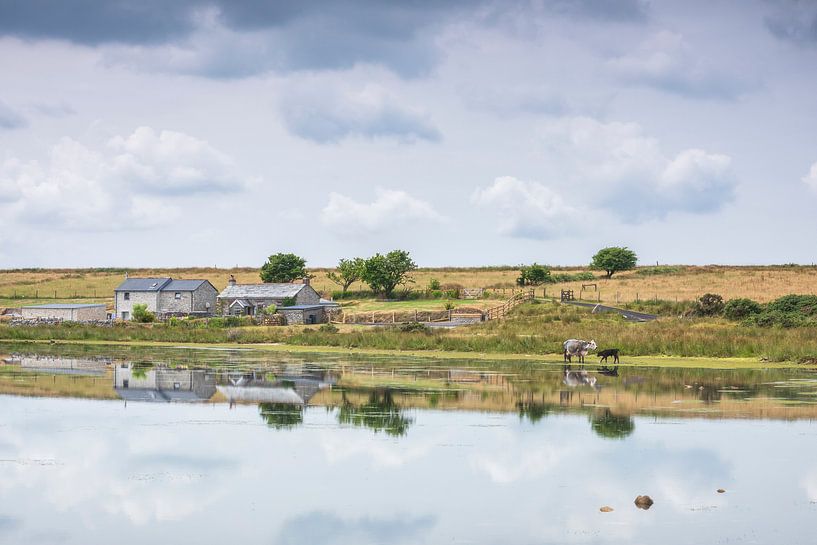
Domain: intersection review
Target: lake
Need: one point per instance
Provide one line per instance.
(127, 445)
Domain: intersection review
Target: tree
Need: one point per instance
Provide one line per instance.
(384, 273)
(614, 259)
(347, 272)
(141, 313)
(283, 268)
(534, 275)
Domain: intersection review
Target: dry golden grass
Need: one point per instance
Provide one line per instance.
(759, 283)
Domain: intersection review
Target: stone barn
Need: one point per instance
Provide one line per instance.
(298, 303)
(69, 312)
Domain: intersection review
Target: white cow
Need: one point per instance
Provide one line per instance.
(577, 347)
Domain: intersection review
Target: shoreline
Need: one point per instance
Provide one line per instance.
(544, 359)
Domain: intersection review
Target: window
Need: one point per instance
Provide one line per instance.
(127, 296)
(177, 295)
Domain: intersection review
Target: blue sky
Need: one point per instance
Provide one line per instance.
(470, 133)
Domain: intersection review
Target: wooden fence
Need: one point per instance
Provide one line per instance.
(499, 312)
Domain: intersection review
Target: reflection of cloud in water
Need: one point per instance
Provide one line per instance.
(383, 452)
(8, 524)
(511, 465)
(809, 483)
(320, 528)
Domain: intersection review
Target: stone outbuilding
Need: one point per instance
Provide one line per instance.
(165, 297)
(298, 303)
(69, 312)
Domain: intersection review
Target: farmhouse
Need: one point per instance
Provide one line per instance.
(298, 303)
(165, 297)
(68, 312)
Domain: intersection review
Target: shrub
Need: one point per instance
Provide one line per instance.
(328, 328)
(288, 302)
(709, 304)
(434, 285)
(413, 327)
(741, 308)
(141, 314)
(805, 305)
(449, 305)
(534, 275)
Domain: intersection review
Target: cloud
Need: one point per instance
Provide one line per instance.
(54, 110)
(170, 162)
(527, 209)
(324, 112)
(228, 39)
(810, 179)
(616, 166)
(794, 21)
(391, 208)
(329, 529)
(127, 185)
(666, 62)
(10, 119)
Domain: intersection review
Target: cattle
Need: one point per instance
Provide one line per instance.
(577, 347)
(604, 354)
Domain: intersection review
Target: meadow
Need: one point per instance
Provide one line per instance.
(533, 329)
(672, 283)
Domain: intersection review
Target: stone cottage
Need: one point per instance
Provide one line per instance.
(304, 303)
(165, 297)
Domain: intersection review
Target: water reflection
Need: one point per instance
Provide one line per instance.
(468, 453)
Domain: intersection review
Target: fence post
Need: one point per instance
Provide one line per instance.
(415, 315)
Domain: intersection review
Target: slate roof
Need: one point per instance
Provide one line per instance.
(184, 285)
(143, 284)
(261, 291)
(60, 306)
(159, 284)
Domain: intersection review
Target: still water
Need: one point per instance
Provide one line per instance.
(191, 446)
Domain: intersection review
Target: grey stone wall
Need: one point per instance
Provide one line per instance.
(149, 298)
(168, 304)
(308, 296)
(204, 299)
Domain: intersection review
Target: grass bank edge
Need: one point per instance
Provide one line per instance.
(542, 359)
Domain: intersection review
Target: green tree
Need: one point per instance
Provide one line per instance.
(142, 314)
(384, 273)
(380, 413)
(534, 275)
(614, 259)
(283, 268)
(281, 416)
(347, 272)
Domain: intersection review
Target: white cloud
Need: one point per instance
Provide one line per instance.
(391, 208)
(810, 179)
(666, 61)
(617, 167)
(527, 209)
(325, 110)
(171, 162)
(117, 188)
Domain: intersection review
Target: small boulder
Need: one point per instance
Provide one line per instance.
(721, 490)
(643, 502)
(606, 509)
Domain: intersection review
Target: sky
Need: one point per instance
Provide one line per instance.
(479, 132)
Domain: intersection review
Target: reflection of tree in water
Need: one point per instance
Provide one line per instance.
(379, 413)
(139, 369)
(611, 426)
(534, 412)
(281, 416)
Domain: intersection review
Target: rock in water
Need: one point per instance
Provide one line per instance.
(643, 502)
(721, 490)
(606, 509)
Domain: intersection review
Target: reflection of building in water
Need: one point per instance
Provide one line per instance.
(256, 387)
(134, 382)
(62, 366)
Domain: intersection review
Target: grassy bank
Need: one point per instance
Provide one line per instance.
(532, 329)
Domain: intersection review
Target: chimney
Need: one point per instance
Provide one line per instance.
(306, 280)
(231, 281)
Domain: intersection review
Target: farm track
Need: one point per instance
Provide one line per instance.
(629, 315)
